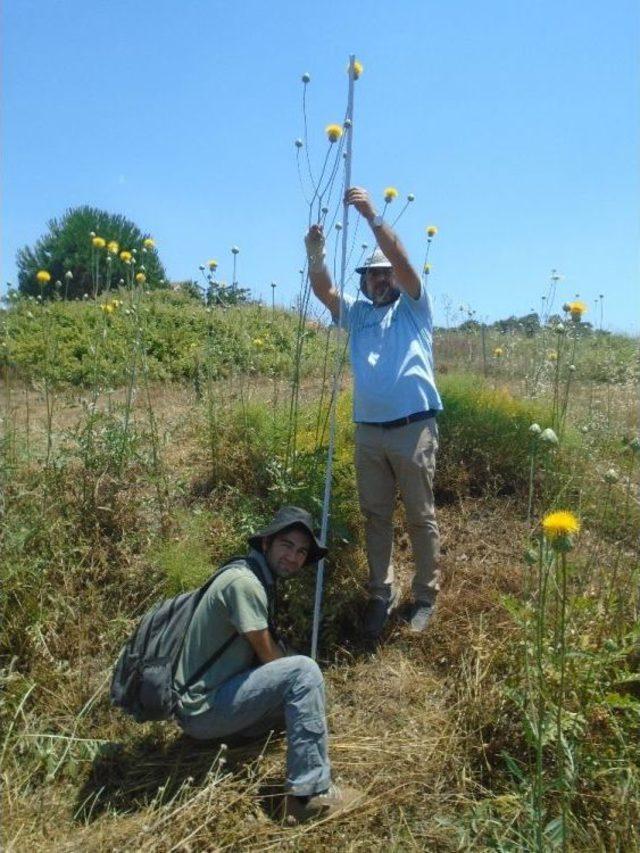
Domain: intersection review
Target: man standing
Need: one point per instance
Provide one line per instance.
(395, 407)
(252, 687)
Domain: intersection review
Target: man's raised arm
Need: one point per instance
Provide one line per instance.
(388, 240)
(319, 276)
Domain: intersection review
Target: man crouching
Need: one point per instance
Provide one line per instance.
(250, 687)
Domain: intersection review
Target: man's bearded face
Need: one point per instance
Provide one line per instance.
(380, 285)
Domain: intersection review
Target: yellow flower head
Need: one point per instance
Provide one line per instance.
(212, 264)
(141, 278)
(559, 524)
(107, 307)
(552, 355)
(43, 276)
(333, 131)
(149, 243)
(431, 231)
(112, 247)
(258, 342)
(426, 269)
(498, 352)
(358, 68)
(389, 194)
(99, 242)
(125, 256)
(576, 309)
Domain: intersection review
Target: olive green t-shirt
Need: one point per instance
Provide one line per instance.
(235, 603)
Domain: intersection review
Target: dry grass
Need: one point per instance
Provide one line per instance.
(421, 727)
(400, 731)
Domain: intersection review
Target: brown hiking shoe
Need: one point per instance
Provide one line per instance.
(335, 799)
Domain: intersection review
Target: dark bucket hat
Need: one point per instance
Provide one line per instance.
(291, 516)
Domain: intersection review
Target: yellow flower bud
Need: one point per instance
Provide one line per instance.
(333, 131)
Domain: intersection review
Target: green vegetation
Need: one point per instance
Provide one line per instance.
(140, 449)
(76, 266)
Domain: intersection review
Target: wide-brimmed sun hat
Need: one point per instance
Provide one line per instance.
(291, 516)
(377, 260)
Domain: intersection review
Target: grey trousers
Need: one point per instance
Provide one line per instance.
(402, 457)
(290, 689)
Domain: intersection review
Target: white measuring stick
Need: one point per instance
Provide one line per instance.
(317, 604)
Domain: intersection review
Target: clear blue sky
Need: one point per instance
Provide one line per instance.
(514, 122)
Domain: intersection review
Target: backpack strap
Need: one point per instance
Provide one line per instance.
(256, 568)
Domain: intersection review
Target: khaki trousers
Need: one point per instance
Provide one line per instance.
(404, 457)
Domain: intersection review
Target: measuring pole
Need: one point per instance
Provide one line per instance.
(317, 604)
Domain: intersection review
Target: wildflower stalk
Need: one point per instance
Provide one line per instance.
(561, 563)
(540, 710)
(532, 468)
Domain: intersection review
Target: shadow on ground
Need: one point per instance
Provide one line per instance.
(129, 778)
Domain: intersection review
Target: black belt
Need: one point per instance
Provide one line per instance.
(408, 419)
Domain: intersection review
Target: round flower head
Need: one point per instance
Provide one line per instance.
(426, 269)
(235, 250)
(324, 209)
(548, 436)
(559, 527)
(68, 275)
(299, 143)
(141, 277)
(306, 78)
(125, 256)
(212, 264)
(346, 123)
(258, 342)
(534, 429)
(43, 276)
(611, 476)
(99, 242)
(552, 355)
(358, 68)
(411, 197)
(149, 243)
(431, 231)
(338, 226)
(560, 329)
(112, 247)
(577, 309)
(498, 352)
(389, 194)
(334, 132)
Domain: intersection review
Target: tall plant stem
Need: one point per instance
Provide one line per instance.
(561, 561)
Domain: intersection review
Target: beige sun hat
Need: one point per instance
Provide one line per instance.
(378, 260)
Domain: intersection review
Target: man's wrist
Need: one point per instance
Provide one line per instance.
(316, 261)
(375, 221)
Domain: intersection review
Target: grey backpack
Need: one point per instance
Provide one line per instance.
(143, 677)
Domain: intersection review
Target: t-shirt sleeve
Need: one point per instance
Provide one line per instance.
(346, 309)
(421, 307)
(246, 604)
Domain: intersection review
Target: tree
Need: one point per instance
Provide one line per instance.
(67, 252)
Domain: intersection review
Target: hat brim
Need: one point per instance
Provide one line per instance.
(316, 551)
(386, 266)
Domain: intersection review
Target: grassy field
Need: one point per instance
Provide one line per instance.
(142, 443)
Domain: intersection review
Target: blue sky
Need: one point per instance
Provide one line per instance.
(515, 124)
